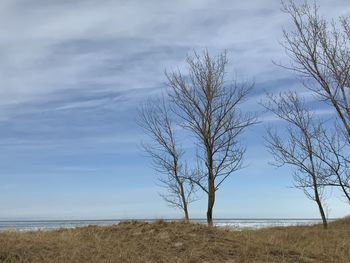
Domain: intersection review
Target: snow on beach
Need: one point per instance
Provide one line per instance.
(225, 223)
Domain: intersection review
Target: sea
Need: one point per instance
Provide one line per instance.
(232, 223)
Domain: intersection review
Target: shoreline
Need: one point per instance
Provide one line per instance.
(237, 224)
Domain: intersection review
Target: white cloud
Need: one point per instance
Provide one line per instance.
(42, 42)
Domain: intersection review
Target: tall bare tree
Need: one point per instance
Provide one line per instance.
(166, 155)
(209, 108)
(299, 145)
(319, 52)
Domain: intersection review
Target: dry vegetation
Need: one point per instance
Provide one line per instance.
(178, 242)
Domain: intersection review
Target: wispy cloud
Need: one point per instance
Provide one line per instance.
(53, 45)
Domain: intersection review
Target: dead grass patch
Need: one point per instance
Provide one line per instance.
(133, 241)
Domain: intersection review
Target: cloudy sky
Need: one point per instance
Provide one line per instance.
(72, 75)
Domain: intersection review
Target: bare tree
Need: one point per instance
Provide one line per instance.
(210, 109)
(166, 155)
(298, 146)
(331, 152)
(320, 53)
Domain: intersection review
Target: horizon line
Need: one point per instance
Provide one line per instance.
(164, 219)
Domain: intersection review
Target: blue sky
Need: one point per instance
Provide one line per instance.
(73, 74)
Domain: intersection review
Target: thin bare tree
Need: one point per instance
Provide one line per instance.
(319, 53)
(209, 108)
(298, 145)
(332, 150)
(167, 155)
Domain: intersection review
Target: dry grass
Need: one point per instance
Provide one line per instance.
(178, 242)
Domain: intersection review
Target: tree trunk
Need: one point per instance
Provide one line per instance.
(184, 203)
(211, 186)
(187, 218)
(211, 200)
(318, 200)
(183, 200)
(323, 215)
(314, 180)
(319, 203)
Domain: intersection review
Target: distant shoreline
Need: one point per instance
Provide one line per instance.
(164, 219)
(233, 223)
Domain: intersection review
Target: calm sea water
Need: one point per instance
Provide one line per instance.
(231, 223)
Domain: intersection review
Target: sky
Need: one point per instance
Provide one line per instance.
(74, 73)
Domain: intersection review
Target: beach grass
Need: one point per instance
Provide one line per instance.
(134, 241)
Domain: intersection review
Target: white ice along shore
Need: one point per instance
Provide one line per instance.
(238, 224)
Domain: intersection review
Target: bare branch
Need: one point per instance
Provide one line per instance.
(320, 51)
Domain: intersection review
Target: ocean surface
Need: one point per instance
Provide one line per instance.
(29, 225)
